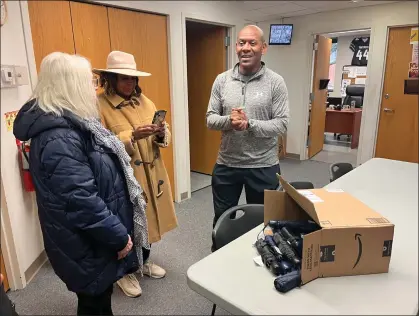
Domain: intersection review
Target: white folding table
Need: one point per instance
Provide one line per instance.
(230, 278)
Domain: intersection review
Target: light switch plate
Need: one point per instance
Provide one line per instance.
(21, 75)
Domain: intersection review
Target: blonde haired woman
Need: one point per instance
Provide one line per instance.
(128, 113)
(86, 192)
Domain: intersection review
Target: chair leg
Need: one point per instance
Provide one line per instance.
(213, 309)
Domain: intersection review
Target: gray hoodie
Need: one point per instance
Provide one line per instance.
(264, 98)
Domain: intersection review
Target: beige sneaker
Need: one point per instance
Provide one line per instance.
(130, 285)
(153, 270)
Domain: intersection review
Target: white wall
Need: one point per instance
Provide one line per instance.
(343, 58)
(17, 48)
(294, 64)
(20, 204)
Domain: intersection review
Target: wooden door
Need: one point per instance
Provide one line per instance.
(206, 57)
(51, 28)
(91, 33)
(397, 136)
(318, 104)
(3, 271)
(145, 36)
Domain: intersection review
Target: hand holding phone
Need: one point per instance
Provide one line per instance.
(159, 117)
(159, 121)
(144, 131)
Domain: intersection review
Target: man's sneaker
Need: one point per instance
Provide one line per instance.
(153, 270)
(130, 285)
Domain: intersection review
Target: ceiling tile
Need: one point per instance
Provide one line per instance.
(318, 4)
(253, 5)
(281, 8)
(300, 12)
(337, 5)
(254, 15)
(271, 17)
(271, 10)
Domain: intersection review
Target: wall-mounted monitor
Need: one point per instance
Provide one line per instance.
(280, 34)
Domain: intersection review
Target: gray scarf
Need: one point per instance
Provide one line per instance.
(104, 137)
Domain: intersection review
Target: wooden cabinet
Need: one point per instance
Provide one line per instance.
(93, 31)
(51, 28)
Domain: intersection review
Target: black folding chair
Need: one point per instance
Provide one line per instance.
(299, 185)
(235, 222)
(339, 169)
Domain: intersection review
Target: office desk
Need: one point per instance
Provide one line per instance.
(230, 278)
(344, 122)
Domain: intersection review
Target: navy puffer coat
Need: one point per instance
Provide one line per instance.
(83, 202)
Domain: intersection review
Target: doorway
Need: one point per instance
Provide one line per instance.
(207, 56)
(339, 78)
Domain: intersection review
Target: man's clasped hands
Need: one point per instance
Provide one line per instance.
(238, 119)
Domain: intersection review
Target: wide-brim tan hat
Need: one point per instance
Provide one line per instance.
(121, 63)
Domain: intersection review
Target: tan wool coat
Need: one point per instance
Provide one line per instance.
(122, 120)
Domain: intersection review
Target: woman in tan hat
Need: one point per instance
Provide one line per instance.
(128, 113)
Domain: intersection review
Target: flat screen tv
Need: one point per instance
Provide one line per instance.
(280, 34)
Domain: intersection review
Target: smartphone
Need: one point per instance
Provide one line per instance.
(159, 117)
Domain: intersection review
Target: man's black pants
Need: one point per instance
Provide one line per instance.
(227, 185)
(95, 305)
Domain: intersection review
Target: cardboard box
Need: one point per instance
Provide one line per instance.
(353, 238)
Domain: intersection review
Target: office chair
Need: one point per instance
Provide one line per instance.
(339, 169)
(298, 185)
(230, 227)
(354, 92)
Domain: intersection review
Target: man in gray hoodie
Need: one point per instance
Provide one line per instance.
(249, 105)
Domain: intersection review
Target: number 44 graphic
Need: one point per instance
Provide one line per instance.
(360, 55)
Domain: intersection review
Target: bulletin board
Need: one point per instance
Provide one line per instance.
(352, 75)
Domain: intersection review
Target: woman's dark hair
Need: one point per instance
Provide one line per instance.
(108, 81)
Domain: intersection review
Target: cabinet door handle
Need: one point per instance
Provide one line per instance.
(388, 110)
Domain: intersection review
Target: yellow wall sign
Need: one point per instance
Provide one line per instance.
(10, 118)
(414, 35)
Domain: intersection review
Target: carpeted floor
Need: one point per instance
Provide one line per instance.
(179, 249)
(199, 181)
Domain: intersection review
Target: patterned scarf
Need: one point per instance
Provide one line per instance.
(104, 137)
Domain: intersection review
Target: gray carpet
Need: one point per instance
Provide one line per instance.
(199, 181)
(179, 249)
(344, 141)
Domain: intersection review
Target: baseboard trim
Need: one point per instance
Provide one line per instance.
(292, 156)
(35, 266)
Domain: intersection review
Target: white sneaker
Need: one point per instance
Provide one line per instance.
(153, 270)
(130, 285)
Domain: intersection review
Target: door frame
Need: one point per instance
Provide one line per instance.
(231, 56)
(304, 135)
(15, 276)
